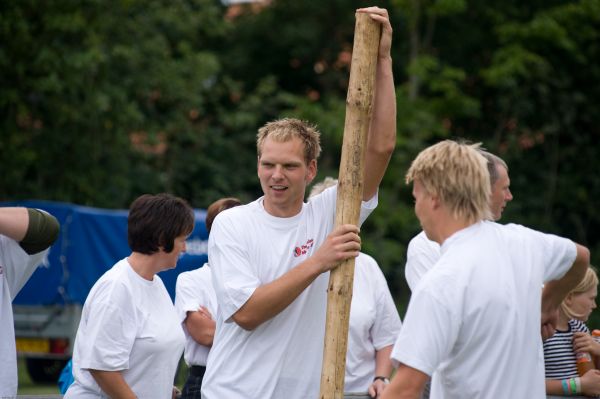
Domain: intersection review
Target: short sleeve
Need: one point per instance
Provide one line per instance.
(387, 324)
(581, 326)
(110, 333)
(557, 253)
(435, 324)
(366, 207)
(187, 297)
(232, 275)
(560, 256)
(17, 265)
(420, 258)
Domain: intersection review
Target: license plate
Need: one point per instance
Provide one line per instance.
(33, 345)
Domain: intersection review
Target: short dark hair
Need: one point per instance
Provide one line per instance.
(156, 220)
(217, 207)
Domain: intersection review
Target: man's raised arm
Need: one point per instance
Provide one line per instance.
(382, 130)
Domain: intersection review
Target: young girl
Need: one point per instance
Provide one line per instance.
(572, 335)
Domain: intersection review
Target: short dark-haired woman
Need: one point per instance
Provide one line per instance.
(127, 344)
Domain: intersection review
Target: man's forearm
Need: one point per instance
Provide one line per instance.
(268, 300)
(383, 363)
(113, 384)
(382, 130)
(200, 327)
(408, 383)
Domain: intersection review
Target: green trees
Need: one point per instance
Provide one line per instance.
(97, 97)
(103, 100)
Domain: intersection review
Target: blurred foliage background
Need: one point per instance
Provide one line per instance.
(102, 100)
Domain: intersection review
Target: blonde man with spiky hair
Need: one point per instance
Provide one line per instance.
(423, 253)
(475, 317)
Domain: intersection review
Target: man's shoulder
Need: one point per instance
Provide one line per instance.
(241, 211)
(521, 235)
(237, 218)
(422, 250)
(367, 265)
(420, 242)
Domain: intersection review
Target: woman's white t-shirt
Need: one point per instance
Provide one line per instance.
(128, 324)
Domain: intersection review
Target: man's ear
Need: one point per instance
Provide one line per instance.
(311, 171)
(435, 200)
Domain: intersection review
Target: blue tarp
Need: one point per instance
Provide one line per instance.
(91, 241)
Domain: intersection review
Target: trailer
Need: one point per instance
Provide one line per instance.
(48, 308)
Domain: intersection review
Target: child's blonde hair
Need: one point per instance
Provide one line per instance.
(589, 281)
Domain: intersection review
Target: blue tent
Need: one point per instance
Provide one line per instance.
(92, 240)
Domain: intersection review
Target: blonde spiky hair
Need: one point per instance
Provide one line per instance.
(283, 130)
(457, 174)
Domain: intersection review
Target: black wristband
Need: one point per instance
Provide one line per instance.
(382, 378)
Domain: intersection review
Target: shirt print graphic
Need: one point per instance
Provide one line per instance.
(303, 249)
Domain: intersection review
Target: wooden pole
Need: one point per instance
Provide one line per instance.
(350, 189)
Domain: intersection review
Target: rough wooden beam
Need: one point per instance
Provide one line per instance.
(359, 104)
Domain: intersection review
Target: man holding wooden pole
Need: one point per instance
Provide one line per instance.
(270, 259)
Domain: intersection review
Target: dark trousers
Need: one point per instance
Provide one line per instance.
(193, 384)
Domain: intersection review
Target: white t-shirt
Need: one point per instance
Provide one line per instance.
(475, 317)
(421, 255)
(194, 289)
(247, 248)
(374, 323)
(16, 266)
(128, 323)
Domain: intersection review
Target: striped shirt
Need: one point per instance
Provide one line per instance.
(559, 357)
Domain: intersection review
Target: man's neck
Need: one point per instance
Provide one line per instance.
(447, 225)
(281, 212)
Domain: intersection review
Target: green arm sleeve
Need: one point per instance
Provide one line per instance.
(42, 231)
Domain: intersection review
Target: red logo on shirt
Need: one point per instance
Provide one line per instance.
(302, 250)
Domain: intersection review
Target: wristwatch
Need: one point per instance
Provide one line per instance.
(382, 378)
